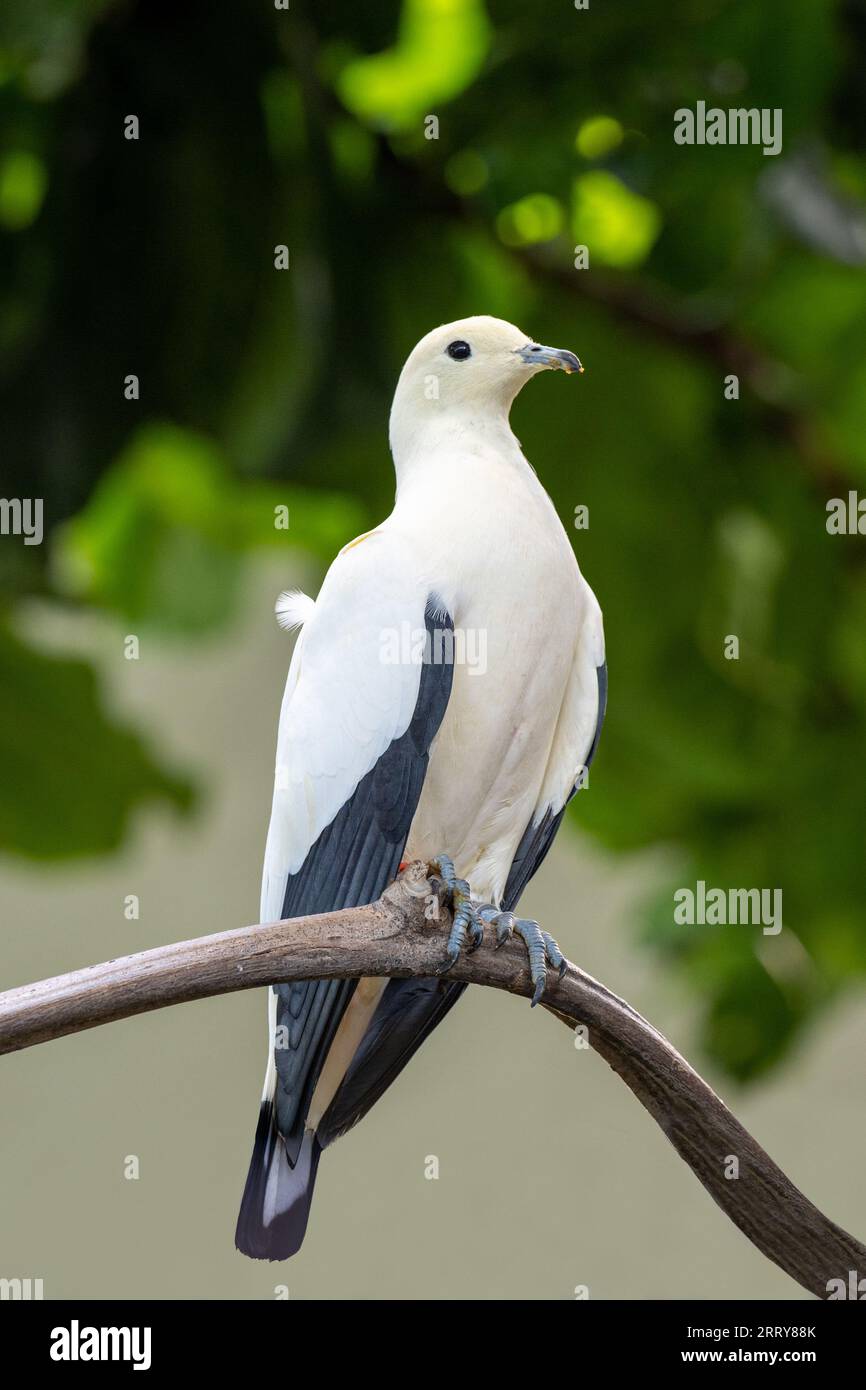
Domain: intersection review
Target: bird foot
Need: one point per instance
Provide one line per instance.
(467, 925)
(543, 950)
(469, 922)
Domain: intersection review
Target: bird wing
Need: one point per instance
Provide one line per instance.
(360, 712)
(411, 1009)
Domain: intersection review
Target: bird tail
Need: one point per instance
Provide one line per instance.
(277, 1196)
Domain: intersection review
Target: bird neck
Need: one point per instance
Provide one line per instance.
(464, 430)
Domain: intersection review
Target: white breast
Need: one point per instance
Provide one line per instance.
(505, 570)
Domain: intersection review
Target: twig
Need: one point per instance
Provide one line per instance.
(392, 938)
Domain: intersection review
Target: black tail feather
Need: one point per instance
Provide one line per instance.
(276, 1203)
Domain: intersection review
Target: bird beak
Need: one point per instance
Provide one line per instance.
(534, 355)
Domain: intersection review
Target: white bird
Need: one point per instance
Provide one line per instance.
(445, 695)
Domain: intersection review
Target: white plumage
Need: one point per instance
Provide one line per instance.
(473, 524)
(474, 531)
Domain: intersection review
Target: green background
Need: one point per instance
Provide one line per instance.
(262, 388)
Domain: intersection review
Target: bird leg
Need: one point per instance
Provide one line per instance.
(466, 920)
(469, 921)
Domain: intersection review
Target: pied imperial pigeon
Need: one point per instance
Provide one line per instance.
(444, 700)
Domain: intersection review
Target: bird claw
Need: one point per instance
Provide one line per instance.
(541, 947)
(542, 950)
(469, 922)
(502, 922)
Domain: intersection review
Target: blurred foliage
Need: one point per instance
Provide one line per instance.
(440, 49)
(259, 387)
(71, 776)
(161, 538)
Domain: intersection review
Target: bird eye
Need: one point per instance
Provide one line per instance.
(459, 350)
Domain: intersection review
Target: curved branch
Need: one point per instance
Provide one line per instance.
(392, 938)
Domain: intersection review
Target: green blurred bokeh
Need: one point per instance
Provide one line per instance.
(422, 162)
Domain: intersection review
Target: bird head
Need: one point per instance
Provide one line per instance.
(471, 369)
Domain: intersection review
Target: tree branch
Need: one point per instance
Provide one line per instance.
(392, 938)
